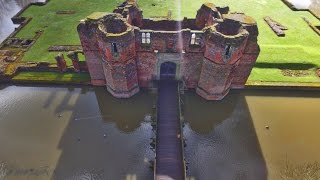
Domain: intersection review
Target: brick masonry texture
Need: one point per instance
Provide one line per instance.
(213, 53)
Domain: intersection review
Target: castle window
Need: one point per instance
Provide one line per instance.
(143, 38)
(114, 48)
(193, 39)
(227, 51)
(148, 39)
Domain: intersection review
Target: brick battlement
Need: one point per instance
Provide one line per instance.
(211, 53)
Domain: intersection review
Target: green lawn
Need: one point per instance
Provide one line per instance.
(300, 46)
(53, 77)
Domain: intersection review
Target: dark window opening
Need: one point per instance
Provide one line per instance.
(228, 50)
(114, 48)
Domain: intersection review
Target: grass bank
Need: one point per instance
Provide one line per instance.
(300, 47)
(52, 77)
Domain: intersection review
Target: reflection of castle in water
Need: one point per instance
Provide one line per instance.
(221, 139)
(211, 53)
(126, 114)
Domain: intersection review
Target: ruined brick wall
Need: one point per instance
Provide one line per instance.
(172, 41)
(131, 12)
(191, 65)
(207, 15)
(164, 42)
(169, 25)
(90, 50)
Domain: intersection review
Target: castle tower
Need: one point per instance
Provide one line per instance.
(108, 43)
(116, 43)
(225, 43)
(250, 52)
(86, 31)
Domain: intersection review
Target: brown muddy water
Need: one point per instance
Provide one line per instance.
(74, 133)
(253, 134)
(84, 133)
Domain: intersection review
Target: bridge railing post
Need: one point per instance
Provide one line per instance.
(181, 119)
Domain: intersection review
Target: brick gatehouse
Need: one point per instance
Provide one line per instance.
(212, 53)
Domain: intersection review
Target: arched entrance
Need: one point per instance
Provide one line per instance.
(168, 70)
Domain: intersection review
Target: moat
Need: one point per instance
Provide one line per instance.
(83, 132)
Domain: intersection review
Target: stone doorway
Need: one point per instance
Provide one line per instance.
(168, 70)
(171, 65)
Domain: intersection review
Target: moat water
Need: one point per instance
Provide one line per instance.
(84, 133)
(8, 8)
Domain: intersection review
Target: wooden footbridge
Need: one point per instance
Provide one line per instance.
(169, 162)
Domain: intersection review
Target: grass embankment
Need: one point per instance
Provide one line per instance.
(299, 49)
(77, 78)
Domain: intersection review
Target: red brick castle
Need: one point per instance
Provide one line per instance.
(212, 53)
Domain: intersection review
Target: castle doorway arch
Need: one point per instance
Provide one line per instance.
(168, 70)
(168, 66)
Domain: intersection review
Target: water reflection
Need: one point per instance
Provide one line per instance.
(74, 133)
(8, 8)
(221, 140)
(203, 115)
(252, 134)
(127, 113)
(84, 133)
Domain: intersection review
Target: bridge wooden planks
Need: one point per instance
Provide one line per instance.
(169, 154)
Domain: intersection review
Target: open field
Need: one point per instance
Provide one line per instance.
(298, 51)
